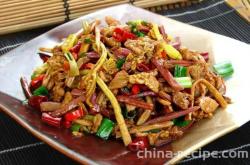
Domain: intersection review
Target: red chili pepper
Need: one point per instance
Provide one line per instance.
(74, 55)
(163, 54)
(25, 87)
(72, 115)
(122, 35)
(139, 143)
(35, 101)
(87, 66)
(66, 124)
(44, 57)
(127, 35)
(118, 34)
(37, 82)
(76, 48)
(52, 121)
(135, 89)
(66, 65)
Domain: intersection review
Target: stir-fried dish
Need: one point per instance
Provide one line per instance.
(131, 82)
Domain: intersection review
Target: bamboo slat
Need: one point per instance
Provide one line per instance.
(29, 25)
(150, 3)
(34, 9)
(36, 13)
(24, 3)
(85, 9)
(28, 19)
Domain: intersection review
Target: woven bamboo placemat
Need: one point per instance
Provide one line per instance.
(18, 15)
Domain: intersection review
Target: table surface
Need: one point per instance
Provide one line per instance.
(17, 146)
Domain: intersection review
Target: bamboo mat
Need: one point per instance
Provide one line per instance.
(18, 15)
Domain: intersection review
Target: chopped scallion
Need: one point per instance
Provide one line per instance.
(87, 40)
(180, 71)
(185, 82)
(224, 69)
(120, 63)
(105, 129)
(75, 127)
(42, 90)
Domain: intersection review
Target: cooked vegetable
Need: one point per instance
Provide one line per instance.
(155, 32)
(75, 114)
(44, 57)
(35, 101)
(37, 82)
(122, 35)
(180, 71)
(117, 109)
(146, 114)
(105, 129)
(185, 82)
(213, 91)
(69, 43)
(166, 75)
(52, 121)
(171, 51)
(71, 105)
(139, 143)
(86, 80)
(75, 127)
(135, 89)
(181, 122)
(89, 81)
(73, 69)
(120, 62)
(148, 127)
(39, 71)
(25, 87)
(224, 69)
(42, 90)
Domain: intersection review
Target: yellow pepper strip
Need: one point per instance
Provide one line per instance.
(212, 89)
(117, 110)
(90, 79)
(156, 33)
(171, 51)
(69, 43)
(84, 48)
(146, 114)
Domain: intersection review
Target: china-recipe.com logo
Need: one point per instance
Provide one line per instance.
(157, 154)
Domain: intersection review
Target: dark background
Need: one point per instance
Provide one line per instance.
(19, 147)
